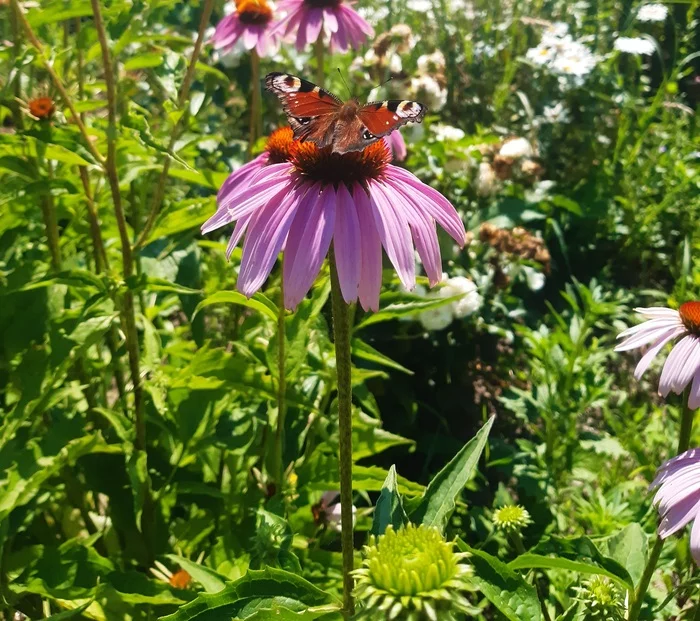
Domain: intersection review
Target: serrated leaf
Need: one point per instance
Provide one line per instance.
(506, 590)
(389, 509)
(362, 350)
(258, 302)
(211, 581)
(255, 593)
(440, 496)
(537, 561)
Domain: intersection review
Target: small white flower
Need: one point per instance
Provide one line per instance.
(485, 179)
(516, 148)
(557, 29)
(431, 63)
(638, 46)
(419, 6)
(541, 55)
(556, 113)
(436, 318)
(535, 279)
(470, 301)
(447, 132)
(576, 60)
(426, 90)
(652, 13)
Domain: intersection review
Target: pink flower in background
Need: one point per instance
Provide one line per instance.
(357, 200)
(678, 497)
(342, 25)
(251, 24)
(682, 366)
(397, 145)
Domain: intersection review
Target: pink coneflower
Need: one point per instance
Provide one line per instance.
(251, 24)
(682, 365)
(397, 145)
(342, 25)
(678, 497)
(358, 200)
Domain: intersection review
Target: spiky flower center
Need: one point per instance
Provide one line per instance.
(690, 316)
(180, 579)
(279, 145)
(322, 4)
(602, 600)
(253, 12)
(411, 561)
(42, 107)
(353, 167)
(511, 518)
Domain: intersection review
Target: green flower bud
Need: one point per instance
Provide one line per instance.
(511, 518)
(601, 600)
(412, 574)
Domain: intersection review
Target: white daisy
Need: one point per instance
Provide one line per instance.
(652, 13)
(639, 46)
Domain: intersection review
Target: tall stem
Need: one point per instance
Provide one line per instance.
(255, 103)
(181, 99)
(341, 337)
(319, 53)
(278, 469)
(683, 444)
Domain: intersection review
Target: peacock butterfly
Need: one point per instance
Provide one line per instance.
(322, 118)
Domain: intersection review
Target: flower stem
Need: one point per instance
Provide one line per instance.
(683, 444)
(319, 53)
(341, 337)
(281, 391)
(255, 102)
(181, 99)
(517, 541)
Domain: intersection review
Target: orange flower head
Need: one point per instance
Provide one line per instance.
(280, 144)
(690, 316)
(256, 12)
(42, 107)
(180, 579)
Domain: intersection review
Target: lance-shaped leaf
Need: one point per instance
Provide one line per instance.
(389, 509)
(438, 501)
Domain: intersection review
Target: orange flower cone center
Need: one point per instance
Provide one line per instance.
(353, 167)
(180, 579)
(690, 316)
(42, 107)
(254, 12)
(322, 4)
(280, 144)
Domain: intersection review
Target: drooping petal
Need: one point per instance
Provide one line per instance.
(694, 396)
(695, 541)
(308, 243)
(651, 353)
(241, 175)
(644, 328)
(250, 37)
(347, 244)
(395, 234)
(371, 269)
(431, 201)
(692, 362)
(330, 21)
(265, 239)
(674, 365)
(238, 232)
(679, 515)
(658, 312)
(314, 22)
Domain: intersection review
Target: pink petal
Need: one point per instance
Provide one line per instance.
(240, 175)
(679, 515)
(250, 37)
(640, 329)
(694, 396)
(695, 541)
(674, 365)
(314, 22)
(371, 270)
(238, 232)
(308, 243)
(658, 311)
(264, 240)
(330, 21)
(651, 353)
(429, 200)
(347, 244)
(395, 234)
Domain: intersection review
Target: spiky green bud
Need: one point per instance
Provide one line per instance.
(411, 574)
(511, 518)
(601, 600)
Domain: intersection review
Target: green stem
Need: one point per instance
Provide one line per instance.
(319, 53)
(683, 444)
(341, 337)
(176, 131)
(517, 541)
(278, 470)
(255, 103)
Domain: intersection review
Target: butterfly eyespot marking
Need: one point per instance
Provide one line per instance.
(303, 120)
(367, 135)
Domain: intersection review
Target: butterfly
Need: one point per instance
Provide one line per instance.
(322, 118)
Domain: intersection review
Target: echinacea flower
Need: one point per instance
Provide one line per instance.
(251, 23)
(682, 366)
(342, 26)
(179, 579)
(41, 107)
(357, 200)
(327, 511)
(397, 145)
(678, 497)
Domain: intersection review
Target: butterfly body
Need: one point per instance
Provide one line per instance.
(318, 116)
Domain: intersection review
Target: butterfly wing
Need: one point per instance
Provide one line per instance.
(383, 117)
(312, 111)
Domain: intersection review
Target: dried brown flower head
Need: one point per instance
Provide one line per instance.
(518, 242)
(41, 107)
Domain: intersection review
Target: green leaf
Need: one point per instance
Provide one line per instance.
(211, 581)
(506, 590)
(69, 614)
(144, 61)
(266, 593)
(405, 309)
(581, 549)
(189, 215)
(439, 498)
(368, 438)
(258, 302)
(630, 547)
(537, 561)
(389, 508)
(362, 350)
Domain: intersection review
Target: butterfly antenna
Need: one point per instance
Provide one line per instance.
(389, 79)
(340, 73)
